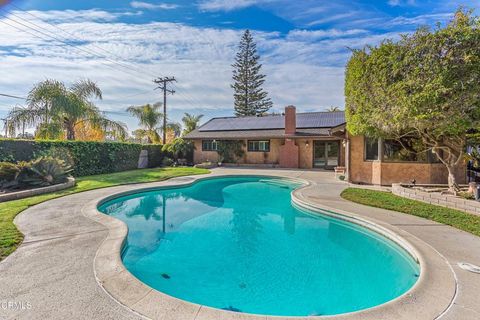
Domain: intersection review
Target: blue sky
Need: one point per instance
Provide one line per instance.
(123, 45)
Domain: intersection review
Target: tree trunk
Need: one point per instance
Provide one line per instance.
(70, 131)
(452, 157)
(452, 180)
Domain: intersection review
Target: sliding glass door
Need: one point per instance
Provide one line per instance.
(326, 154)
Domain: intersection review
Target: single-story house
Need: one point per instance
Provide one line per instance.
(318, 140)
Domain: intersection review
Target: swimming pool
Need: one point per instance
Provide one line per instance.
(237, 243)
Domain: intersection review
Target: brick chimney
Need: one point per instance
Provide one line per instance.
(290, 120)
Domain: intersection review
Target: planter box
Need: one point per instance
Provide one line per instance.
(37, 191)
(449, 201)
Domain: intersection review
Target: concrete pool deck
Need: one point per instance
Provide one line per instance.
(51, 275)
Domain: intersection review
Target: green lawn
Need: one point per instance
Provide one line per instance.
(10, 237)
(386, 200)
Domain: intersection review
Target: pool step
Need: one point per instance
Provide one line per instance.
(276, 183)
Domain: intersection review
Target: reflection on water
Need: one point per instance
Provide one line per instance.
(154, 214)
(239, 244)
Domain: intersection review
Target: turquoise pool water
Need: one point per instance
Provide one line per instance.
(237, 243)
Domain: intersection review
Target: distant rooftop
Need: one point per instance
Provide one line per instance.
(304, 120)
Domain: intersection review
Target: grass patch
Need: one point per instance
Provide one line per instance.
(10, 237)
(386, 200)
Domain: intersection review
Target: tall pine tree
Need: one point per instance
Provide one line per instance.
(249, 97)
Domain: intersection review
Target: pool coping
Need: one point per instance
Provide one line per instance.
(429, 297)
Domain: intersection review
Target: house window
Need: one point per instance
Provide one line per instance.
(408, 149)
(259, 145)
(371, 148)
(209, 145)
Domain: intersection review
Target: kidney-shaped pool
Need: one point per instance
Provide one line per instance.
(238, 243)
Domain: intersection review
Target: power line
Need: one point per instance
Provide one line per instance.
(70, 34)
(103, 63)
(135, 94)
(64, 42)
(10, 96)
(69, 44)
(187, 98)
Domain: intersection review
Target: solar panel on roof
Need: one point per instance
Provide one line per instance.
(304, 120)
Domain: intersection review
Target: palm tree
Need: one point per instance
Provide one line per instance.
(75, 109)
(139, 135)
(190, 122)
(39, 110)
(23, 117)
(150, 118)
(41, 98)
(56, 111)
(175, 128)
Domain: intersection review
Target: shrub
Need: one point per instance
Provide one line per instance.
(46, 171)
(43, 171)
(466, 195)
(179, 148)
(167, 162)
(85, 157)
(230, 151)
(155, 155)
(8, 171)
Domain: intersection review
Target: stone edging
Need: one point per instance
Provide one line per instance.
(432, 294)
(37, 191)
(448, 201)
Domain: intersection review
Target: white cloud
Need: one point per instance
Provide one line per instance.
(334, 18)
(419, 20)
(313, 35)
(59, 16)
(227, 5)
(304, 68)
(399, 3)
(153, 6)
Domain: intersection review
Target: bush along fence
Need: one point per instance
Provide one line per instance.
(85, 157)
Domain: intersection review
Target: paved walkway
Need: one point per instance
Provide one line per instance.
(50, 276)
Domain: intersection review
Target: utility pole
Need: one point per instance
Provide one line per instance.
(162, 85)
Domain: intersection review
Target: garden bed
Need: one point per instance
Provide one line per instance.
(386, 200)
(21, 194)
(437, 195)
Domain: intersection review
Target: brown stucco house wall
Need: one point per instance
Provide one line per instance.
(254, 158)
(380, 172)
(291, 142)
(304, 155)
(299, 140)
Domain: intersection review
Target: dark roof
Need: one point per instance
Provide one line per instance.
(309, 124)
(256, 134)
(304, 120)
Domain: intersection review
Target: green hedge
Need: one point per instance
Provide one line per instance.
(86, 157)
